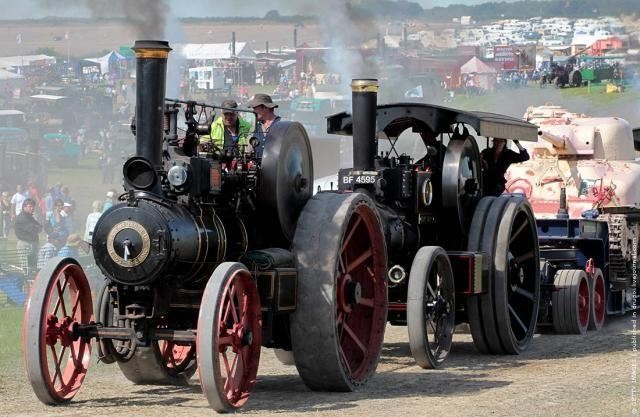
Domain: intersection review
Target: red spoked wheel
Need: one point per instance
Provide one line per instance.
(56, 359)
(338, 326)
(229, 337)
(597, 301)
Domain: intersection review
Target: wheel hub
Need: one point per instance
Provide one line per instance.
(349, 293)
(63, 331)
(516, 273)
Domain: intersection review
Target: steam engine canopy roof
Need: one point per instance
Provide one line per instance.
(393, 119)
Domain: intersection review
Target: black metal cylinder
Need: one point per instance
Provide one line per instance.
(364, 101)
(151, 76)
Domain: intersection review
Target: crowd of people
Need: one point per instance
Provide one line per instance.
(46, 225)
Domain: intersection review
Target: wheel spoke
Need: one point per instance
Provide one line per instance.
(232, 302)
(56, 364)
(354, 337)
(515, 316)
(518, 231)
(60, 297)
(526, 294)
(347, 239)
(76, 303)
(359, 260)
(433, 294)
(345, 361)
(366, 302)
(525, 256)
(245, 308)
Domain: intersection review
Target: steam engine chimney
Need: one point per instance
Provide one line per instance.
(151, 76)
(295, 38)
(364, 101)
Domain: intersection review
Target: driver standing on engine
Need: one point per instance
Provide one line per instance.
(496, 161)
(230, 132)
(264, 107)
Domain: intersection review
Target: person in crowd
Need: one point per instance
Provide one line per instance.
(17, 200)
(92, 219)
(49, 249)
(72, 247)
(495, 162)
(5, 209)
(67, 216)
(48, 203)
(230, 132)
(57, 221)
(27, 231)
(109, 200)
(264, 107)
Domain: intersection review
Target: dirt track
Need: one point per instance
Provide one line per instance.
(558, 376)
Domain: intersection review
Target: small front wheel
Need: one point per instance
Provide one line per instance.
(55, 357)
(229, 337)
(431, 307)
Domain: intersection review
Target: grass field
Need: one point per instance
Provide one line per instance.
(10, 338)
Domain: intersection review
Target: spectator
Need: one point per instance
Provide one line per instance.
(17, 201)
(49, 249)
(27, 230)
(71, 248)
(67, 217)
(92, 219)
(48, 203)
(5, 207)
(109, 201)
(57, 220)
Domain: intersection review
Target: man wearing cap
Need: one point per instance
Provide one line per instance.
(230, 132)
(264, 107)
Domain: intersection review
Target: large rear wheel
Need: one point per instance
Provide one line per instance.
(506, 315)
(430, 307)
(338, 327)
(55, 358)
(229, 337)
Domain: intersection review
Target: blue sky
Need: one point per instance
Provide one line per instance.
(41, 8)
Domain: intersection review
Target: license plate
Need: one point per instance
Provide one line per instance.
(368, 178)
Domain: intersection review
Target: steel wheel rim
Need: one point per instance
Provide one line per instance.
(361, 300)
(598, 299)
(437, 308)
(583, 303)
(239, 332)
(69, 288)
(521, 263)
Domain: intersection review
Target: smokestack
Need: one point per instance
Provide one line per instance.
(295, 38)
(233, 44)
(266, 47)
(151, 76)
(364, 101)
